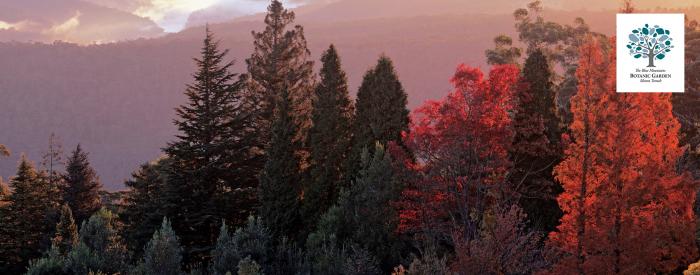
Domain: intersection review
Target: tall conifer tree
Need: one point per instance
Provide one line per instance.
(536, 146)
(214, 160)
(24, 225)
(82, 186)
(380, 112)
(280, 184)
(144, 200)
(329, 138)
(281, 60)
(66, 235)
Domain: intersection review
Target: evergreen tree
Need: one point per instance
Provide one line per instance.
(143, 203)
(52, 159)
(66, 235)
(224, 255)
(329, 138)
(214, 160)
(280, 60)
(380, 112)
(367, 208)
(363, 215)
(24, 226)
(4, 192)
(99, 247)
(51, 264)
(280, 180)
(253, 240)
(536, 145)
(248, 266)
(82, 186)
(163, 254)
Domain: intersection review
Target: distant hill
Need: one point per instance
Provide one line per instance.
(118, 99)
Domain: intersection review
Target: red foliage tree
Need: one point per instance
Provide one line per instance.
(627, 211)
(460, 147)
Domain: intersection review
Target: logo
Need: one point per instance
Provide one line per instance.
(650, 43)
(650, 53)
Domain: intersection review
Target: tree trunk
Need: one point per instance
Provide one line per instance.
(651, 61)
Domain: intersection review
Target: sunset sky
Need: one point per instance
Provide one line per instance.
(172, 15)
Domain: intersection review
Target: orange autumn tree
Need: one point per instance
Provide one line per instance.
(627, 211)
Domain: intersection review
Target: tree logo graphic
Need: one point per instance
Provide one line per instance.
(650, 42)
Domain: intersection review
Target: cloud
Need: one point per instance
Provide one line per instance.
(17, 26)
(172, 14)
(65, 27)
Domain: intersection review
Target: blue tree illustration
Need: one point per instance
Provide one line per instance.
(650, 42)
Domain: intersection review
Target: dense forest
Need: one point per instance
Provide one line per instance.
(537, 166)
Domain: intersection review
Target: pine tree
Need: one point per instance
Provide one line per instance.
(66, 235)
(215, 162)
(4, 192)
(24, 226)
(280, 180)
(363, 216)
(143, 203)
(163, 254)
(99, 247)
(280, 60)
(52, 159)
(51, 264)
(252, 240)
(329, 138)
(82, 186)
(224, 256)
(248, 266)
(536, 146)
(380, 112)
(369, 215)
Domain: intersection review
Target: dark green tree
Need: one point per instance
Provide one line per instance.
(364, 216)
(224, 256)
(214, 160)
(380, 113)
(504, 52)
(53, 263)
(248, 266)
(163, 254)
(280, 182)
(82, 186)
(329, 139)
(24, 228)
(143, 203)
(66, 235)
(281, 59)
(99, 248)
(537, 146)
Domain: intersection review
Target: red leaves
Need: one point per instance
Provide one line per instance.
(461, 148)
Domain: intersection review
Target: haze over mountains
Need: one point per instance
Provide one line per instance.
(118, 99)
